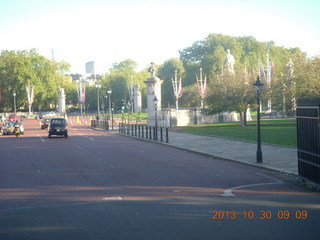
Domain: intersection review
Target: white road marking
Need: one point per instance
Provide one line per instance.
(40, 138)
(228, 192)
(112, 198)
(92, 139)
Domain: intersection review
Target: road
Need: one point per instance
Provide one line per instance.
(101, 185)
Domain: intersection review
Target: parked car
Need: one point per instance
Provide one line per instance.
(45, 123)
(58, 126)
(50, 114)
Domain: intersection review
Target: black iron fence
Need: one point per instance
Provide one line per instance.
(100, 124)
(308, 139)
(147, 132)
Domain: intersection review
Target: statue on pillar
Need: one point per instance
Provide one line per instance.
(152, 70)
(229, 63)
(153, 92)
(137, 98)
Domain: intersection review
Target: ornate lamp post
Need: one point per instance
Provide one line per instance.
(98, 86)
(155, 101)
(259, 88)
(14, 102)
(110, 110)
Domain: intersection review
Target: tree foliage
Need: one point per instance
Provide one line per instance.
(21, 68)
(225, 92)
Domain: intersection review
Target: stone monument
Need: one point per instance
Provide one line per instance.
(153, 91)
(229, 63)
(62, 101)
(137, 98)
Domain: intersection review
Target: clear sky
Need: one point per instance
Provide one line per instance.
(108, 31)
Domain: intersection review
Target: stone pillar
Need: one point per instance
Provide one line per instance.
(153, 90)
(62, 101)
(137, 98)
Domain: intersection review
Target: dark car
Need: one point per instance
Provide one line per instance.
(44, 123)
(58, 126)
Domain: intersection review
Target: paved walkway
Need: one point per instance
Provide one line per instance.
(282, 159)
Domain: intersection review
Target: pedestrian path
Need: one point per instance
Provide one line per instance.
(283, 159)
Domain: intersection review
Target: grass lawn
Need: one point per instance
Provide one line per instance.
(279, 132)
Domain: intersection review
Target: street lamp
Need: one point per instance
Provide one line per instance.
(98, 86)
(110, 110)
(155, 102)
(259, 88)
(14, 101)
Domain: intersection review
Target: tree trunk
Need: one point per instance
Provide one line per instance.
(243, 118)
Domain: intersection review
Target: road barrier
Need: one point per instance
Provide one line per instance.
(147, 132)
(308, 139)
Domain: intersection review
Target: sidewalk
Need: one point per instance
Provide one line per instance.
(283, 159)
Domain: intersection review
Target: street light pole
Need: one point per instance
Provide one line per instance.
(98, 86)
(110, 110)
(259, 88)
(14, 102)
(155, 101)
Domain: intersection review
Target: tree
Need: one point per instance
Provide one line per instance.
(21, 68)
(166, 73)
(119, 80)
(230, 92)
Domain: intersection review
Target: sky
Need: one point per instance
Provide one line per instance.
(111, 31)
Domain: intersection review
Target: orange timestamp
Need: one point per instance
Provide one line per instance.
(264, 214)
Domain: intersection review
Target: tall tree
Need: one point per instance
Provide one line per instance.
(166, 73)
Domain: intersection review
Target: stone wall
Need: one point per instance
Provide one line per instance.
(171, 117)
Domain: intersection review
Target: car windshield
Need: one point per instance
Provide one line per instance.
(58, 122)
(10, 123)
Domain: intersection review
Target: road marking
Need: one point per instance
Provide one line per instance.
(92, 139)
(228, 192)
(40, 138)
(112, 198)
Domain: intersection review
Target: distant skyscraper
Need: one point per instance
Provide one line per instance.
(90, 67)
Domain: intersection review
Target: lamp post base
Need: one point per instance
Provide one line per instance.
(259, 156)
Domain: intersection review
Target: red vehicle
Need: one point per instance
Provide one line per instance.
(13, 117)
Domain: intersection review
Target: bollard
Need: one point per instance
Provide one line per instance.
(161, 135)
(131, 130)
(135, 130)
(150, 131)
(167, 135)
(146, 132)
(142, 132)
(139, 133)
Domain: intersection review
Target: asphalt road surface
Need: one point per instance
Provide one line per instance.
(100, 185)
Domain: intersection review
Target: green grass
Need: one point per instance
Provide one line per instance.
(279, 132)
